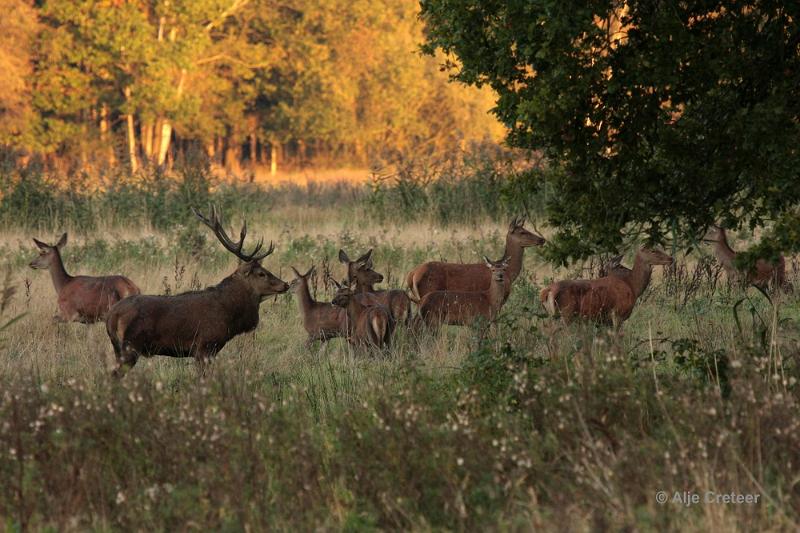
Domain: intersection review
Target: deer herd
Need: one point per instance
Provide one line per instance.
(198, 324)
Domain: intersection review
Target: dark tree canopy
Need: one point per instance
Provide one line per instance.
(657, 118)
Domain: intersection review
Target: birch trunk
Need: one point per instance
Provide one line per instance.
(273, 158)
(131, 136)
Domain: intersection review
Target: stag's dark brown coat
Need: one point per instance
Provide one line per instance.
(194, 324)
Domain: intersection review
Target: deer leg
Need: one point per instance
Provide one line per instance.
(126, 359)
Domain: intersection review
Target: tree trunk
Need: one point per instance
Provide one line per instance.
(104, 131)
(253, 148)
(163, 142)
(147, 139)
(233, 155)
(166, 126)
(301, 154)
(131, 136)
(211, 150)
(273, 158)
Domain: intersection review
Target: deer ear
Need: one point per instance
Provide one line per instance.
(512, 224)
(343, 257)
(488, 262)
(42, 246)
(62, 241)
(521, 221)
(367, 264)
(366, 257)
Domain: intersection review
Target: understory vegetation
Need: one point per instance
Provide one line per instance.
(527, 424)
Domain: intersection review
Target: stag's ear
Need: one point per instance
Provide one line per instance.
(42, 246)
(62, 241)
(343, 257)
(366, 257)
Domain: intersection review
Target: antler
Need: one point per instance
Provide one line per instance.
(214, 222)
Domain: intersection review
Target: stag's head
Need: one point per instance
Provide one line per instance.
(517, 234)
(498, 268)
(47, 252)
(344, 292)
(653, 256)
(259, 280)
(360, 271)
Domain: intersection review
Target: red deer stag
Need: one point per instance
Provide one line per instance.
(321, 320)
(362, 274)
(368, 325)
(463, 308)
(437, 276)
(762, 275)
(85, 299)
(606, 300)
(199, 323)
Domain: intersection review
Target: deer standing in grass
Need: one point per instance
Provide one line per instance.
(362, 274)
(368, 325)
(762, 275)
(463, 308)
(321, 320)
(438, 276)
(607, 300)
(199, 323)
(85, 299)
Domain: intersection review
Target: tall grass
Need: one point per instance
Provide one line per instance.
(527, 425)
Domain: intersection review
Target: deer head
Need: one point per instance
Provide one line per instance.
(299, 278)
(360, 271)
(344, 292)
(517, 234)
(715, 234)
(498, 268)
(48, 253)
(653, 256)
(259, 280)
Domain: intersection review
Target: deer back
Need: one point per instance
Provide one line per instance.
(178, 325)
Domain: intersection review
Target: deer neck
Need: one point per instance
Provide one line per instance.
(364, 287)
(241, 304)
(514, 253)
(58, 273)
(497, 295)
(304, 296)
(639, 278)
(723, 251)
(354, 309)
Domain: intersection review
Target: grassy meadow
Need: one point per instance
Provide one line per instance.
(527, 425)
